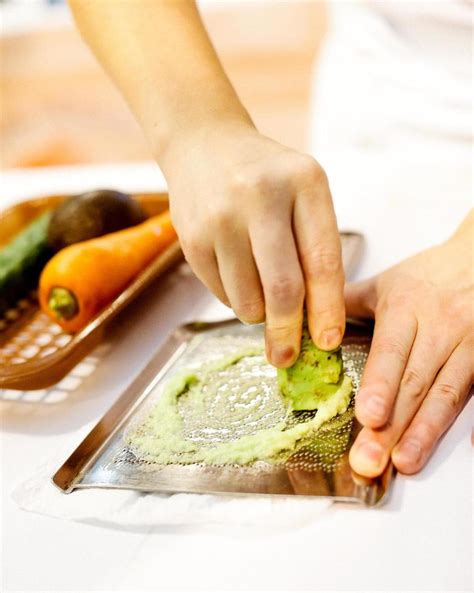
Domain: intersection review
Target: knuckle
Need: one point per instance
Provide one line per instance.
(324, 315)
(244, 182)
(378, 386)
(407, 466)
(432, 342)
(455, 306)
(311, 171)
(252, 311)
(278, 332)
(193, 246)
(239, 182)
(285, 288)
(448, 394)
(459, 309)
(414, 383)
(390, 346)
(223, 219)
(427, 432)
(322, 261)
(396, 299)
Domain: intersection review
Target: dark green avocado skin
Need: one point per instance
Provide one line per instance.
(92, 214)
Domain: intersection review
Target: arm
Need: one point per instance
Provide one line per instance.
(255, 219)
(160, 57)
(420, 367)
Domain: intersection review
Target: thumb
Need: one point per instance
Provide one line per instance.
(360, 298)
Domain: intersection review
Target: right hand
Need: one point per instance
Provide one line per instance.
(257, 225)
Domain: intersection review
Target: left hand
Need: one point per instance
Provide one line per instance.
(421, 366)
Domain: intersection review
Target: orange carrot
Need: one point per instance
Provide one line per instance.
(80, 280)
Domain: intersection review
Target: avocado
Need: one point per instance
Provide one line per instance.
(90, 215)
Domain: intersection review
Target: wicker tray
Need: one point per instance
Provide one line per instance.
(34, 351)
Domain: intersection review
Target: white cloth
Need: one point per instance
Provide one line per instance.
(125, 509)
(392, 117)
(390, 70)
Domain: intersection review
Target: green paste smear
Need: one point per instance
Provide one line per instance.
(240, 409)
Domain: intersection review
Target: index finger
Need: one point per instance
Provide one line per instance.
(319, 248)
(277, 261)
(394, 334)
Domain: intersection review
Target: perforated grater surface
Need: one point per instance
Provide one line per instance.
(318, 466)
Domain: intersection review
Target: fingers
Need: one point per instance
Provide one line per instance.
(319, 249)
(204, 264)
(394, 333)
(442, 404)
(283, 287)
(371, 451)
(360, 298)
(239, 276)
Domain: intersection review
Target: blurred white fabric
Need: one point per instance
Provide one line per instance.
(126, 509)
(392, 118)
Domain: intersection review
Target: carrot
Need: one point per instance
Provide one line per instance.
(80, 280)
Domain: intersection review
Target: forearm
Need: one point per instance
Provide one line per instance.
(159, 55)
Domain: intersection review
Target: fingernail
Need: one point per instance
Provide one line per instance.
(376, 407)
(282, 355)
(410, 450)
(330, 338)
(369, 452)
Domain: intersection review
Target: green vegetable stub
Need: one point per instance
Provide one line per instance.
(315, 377)
(63, 303)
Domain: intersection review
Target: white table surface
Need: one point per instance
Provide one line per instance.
(420, 540)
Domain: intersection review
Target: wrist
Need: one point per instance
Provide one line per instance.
(186, 142)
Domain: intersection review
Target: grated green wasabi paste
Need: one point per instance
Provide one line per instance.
(162, 437)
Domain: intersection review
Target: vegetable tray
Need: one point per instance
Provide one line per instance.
(34, 351)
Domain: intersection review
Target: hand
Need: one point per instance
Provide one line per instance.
(257, 226)
(420, 367)
(255, 219)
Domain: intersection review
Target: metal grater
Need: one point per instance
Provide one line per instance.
(317, 467)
